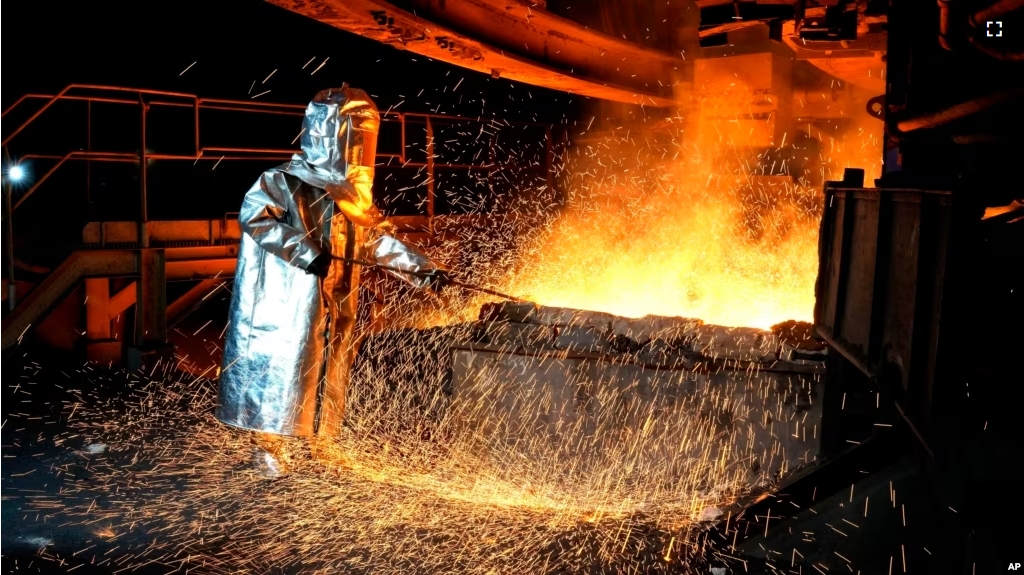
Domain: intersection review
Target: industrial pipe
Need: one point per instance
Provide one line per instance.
(944, 6)
(956, 112)
(996, 53)
(996, 11)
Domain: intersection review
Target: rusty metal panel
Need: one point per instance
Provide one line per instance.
(847, 271)
(869, 295)
(900, 275)
(593, 390)
(584, 409)
(854, 321)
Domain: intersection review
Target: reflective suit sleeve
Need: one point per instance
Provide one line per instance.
(264, 218)
(387, 250)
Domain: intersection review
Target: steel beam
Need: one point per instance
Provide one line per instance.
(122, 300)
(201, 269)
(41, 300)
(151, 298)
(529, 45)
(101, 346)
(191, 299)
(97, 309)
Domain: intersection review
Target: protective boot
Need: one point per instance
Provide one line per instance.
(271, 457)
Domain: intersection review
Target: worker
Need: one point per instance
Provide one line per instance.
(289, 343)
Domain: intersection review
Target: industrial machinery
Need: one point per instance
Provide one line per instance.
(912, 462)
(918, 295)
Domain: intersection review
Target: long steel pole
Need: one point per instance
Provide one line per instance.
(143, 192)
(9, 243)
(422, 274)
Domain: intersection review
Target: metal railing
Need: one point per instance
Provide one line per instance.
(147, 99)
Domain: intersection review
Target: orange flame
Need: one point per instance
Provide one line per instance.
(695, 235)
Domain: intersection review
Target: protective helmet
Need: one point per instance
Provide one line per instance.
(339, 144)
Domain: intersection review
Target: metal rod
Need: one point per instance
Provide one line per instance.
(956, 112)
(401, 119)
(38, 113)
(28, 193)
(492, 159)
(212, 158)
(430, 177)
(133, 157)
(488, 291)
(427, 274)
(16, 104)
(729, 27)
(195, 127)
(549, 161)
(300, 107)
(211, 103)
(215, 153)
(244, 109)
(63, 95)
(88, 149)
(143, 192)
(9, 242)
(218, 150)
(944, 24)
(281, 155)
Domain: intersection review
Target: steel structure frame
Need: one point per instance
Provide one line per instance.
(146, 99)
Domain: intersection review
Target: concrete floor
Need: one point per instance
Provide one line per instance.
(36, 443)
(50, 468)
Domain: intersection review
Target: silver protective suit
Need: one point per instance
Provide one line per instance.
(289, 343)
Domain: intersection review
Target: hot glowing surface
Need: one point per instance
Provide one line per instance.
(718, 228)
(684, 255)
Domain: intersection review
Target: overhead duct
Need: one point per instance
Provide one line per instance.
(520, 41)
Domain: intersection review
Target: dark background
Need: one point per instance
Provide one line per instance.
(230, 48)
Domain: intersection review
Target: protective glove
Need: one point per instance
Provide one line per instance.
(437, 279)
(320, 265)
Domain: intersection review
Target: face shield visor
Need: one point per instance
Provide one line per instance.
(357, 137)
(360, 136)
